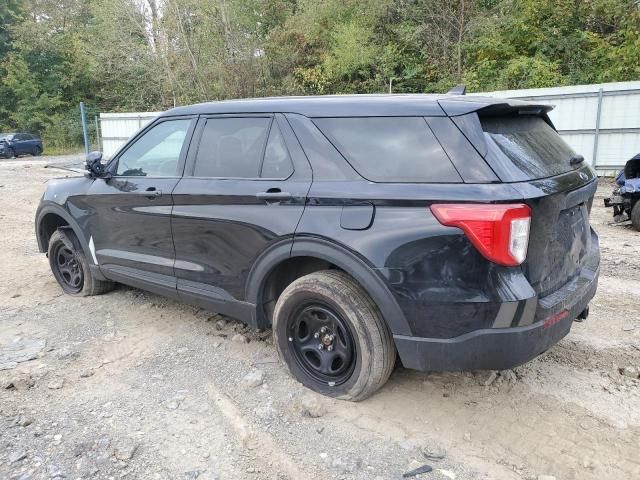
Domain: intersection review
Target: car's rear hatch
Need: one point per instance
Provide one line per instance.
(519, 143)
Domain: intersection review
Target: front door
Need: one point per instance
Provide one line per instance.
(244, 189)
(130, 213)
(20, 144)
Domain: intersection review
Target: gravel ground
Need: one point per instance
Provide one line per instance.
(132, 385)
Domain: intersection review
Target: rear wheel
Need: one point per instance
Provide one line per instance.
(37, 152)
(332, 337)
(70, 266)
(635, 216)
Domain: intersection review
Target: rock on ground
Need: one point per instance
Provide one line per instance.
(18, 351)
(631, 372)
(311, 406)
(252, 379)
(56, 384)
(125, 450)
(239, 338)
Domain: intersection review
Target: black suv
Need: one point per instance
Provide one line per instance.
(452, 230)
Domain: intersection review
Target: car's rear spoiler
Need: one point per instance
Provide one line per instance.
(456, 106)
(487, 106)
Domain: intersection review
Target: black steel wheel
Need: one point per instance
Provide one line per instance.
(331, 336)
(68, 268)
(322, 343)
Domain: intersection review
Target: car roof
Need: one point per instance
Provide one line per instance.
(354, 105)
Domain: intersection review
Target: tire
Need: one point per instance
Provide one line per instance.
(635, 216)
(37, 152)
(333, 300)
(70, 267)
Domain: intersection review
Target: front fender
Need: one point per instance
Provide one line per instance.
(48, 207)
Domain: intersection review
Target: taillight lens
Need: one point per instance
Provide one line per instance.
(499, 231)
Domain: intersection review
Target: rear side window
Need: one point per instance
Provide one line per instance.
(235, 148)
(232, 147)
(525, 147)
(390, 149)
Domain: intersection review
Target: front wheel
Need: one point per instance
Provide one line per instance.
(332, 337)
(70, 267)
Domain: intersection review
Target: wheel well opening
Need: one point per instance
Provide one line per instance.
(49, 224)
(283, 275)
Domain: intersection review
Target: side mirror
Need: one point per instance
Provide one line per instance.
(94, 164)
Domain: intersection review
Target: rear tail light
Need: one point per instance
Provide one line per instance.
(500, 232)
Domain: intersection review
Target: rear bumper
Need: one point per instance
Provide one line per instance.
(503, 348)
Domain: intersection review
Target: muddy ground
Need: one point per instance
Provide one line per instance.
(132, 385)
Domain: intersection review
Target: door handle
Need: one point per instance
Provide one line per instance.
(149, 192)
(273, 194)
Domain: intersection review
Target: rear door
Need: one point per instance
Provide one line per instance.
(34, 144)
(244, 189)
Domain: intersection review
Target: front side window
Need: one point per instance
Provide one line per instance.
(390, 149)
(157, 152)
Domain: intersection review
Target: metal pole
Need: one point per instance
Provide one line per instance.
(597, 133)
(98, 139)
(390, 84)
(84, 128)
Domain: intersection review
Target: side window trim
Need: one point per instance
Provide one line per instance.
(112, 165)
(264, 147)
(278, 125)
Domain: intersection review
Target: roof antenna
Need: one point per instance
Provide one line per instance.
(458, 90)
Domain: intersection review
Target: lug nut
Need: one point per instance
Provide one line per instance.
(323, 329)
(316, 335)
(320, 346)
(330, 348)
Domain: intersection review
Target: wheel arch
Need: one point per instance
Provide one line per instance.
(51, 217)
(332, 254)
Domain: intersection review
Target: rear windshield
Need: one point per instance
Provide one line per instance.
(525, 147)
(390, 149)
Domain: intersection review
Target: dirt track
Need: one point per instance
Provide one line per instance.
(131, 385)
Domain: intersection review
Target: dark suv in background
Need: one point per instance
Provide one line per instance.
(451, 231)
(15, 144)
